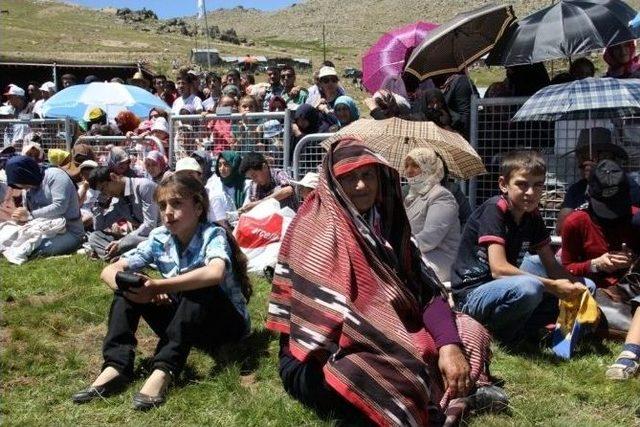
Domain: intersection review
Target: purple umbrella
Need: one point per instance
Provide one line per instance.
(387, 56)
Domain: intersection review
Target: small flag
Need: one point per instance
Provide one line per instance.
(200, 9)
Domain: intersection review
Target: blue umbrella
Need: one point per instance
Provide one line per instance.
(635, 22)
(76, 101)
(590, 98)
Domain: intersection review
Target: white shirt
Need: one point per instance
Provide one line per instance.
(217, 199)
(180, 102)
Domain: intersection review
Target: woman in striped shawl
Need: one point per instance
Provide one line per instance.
(364, 324)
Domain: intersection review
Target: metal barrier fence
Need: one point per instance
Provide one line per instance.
(268, 133)
(493, 134)
(308, 154)
(137, 147)
(49, 133)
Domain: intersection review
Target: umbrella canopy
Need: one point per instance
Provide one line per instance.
(567, 28)
(591, 98)
(453, 46)
(388, 55)
(393, 138)
(75, 101)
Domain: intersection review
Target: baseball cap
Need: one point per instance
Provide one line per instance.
(88, 164)
(327, 72)
(48, 87)
(272, 128)
(310, 180)
(188, 164)
(14, 90)
(160, 123)
(609, 195)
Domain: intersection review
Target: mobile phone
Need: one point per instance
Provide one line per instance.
(127, 281)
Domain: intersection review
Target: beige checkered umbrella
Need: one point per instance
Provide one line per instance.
(394, 138)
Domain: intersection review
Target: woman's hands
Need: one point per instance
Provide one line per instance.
(454, 369)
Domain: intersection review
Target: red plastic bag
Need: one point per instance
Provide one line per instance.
(257, 232)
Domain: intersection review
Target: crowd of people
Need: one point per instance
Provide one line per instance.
(386, 296)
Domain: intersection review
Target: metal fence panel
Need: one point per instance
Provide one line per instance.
(267, 133)
(50, 133)
(308, 154)
(137, 147)
(493, 134)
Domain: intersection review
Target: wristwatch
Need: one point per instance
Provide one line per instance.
(593, 266)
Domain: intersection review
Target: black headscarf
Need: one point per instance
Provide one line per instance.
(23, 170)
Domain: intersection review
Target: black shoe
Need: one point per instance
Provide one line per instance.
(144, 402)
(490, 398)
(111, 387)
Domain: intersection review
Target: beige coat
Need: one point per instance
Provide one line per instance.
(434, 224)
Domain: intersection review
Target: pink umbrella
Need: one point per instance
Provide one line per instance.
(387, 56)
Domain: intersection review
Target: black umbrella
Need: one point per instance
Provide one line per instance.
(565, 29)
(451, 47)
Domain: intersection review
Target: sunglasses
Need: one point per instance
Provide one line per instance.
(329, 80)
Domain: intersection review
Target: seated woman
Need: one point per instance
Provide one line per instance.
(155, 164)
(201, 299)
(234, 184)
(50, 194)
(363, 322)
(346, 110)
(432, 211)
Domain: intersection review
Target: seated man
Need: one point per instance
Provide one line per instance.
(266, 183)
(134, 205)
(487, 278)
(600, 242)
(593, 145)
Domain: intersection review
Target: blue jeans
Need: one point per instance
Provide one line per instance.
(512, 306)
(60, 244)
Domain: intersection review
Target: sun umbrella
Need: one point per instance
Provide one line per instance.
(565, 29)
(388, 55)
(393, 138)
(452, 47)
(591, 98)
(75, 101)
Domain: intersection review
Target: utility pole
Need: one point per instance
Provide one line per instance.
(324, 44)
(206, 35)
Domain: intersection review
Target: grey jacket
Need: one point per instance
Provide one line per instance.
(434, 224)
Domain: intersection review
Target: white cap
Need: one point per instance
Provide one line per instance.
(310, 180)
(48, 87)
(88, 164)
(14, 90)
(160, 123)
(327, 72)
(188, 164)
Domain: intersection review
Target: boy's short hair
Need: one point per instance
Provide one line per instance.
(252, 161)
(531, 161)
(288, 67)
(98, 175)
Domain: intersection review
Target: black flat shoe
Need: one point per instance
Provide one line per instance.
(111, 387)
(489, 398)
(144, 402)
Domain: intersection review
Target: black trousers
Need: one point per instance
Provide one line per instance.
(204, 318)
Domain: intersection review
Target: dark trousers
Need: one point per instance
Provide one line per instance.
(204, 318)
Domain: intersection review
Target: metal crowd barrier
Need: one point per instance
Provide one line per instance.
(308, 154)
(493, 134)
(136, 146)
(49, 133)
(268, 133)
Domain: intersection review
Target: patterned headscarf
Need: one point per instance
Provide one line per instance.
(432, 172)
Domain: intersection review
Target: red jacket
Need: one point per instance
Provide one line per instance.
(583, 239)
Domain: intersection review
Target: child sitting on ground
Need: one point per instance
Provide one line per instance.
(490, 282)
(201, 299)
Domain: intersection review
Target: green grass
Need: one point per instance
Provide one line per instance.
(53, 322)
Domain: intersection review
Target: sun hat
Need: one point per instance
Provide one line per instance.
(160, 123)
(188, 164)
(14, 90)
(327, 72)
(96, 114)
(48, 87)
(310, 180)
(272, 128)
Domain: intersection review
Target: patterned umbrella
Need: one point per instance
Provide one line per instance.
(565, 29)
(394, 138)
(387, 56)
(455, 45)
(590, 98)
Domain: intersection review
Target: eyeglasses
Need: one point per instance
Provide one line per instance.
(329, 80)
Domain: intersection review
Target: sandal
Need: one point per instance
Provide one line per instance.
(624, 371)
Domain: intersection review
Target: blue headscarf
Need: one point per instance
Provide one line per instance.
(349, 102)
(23, 170)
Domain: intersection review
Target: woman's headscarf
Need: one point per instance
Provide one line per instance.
(622, 70)
(349, 102)
(366, 321)
(23, 170)
(157, 157)
(235, 178)
(58, 157)
(432, 172)
(205, 161)
(306, 111)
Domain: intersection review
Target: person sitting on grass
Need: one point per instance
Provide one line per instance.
(201, 299)
(121, 225)
(489, 280)
(365, 326)
(266, 183)
(233, 183)
(50, 194)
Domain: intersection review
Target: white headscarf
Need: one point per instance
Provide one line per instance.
(431, 175)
